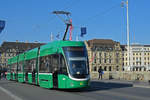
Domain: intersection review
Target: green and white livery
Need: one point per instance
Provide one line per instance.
(59, 64)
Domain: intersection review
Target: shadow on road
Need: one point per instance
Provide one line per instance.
(94, 86)
(97, 86)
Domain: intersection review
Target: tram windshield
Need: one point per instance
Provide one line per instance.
(78, 61)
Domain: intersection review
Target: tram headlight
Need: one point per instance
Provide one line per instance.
(81, 83)
(78, 72)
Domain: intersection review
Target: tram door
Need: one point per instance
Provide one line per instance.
(55, 65)
(55, 79)
(26, 76)
(33, 64)
(11, 76)
(33, 76)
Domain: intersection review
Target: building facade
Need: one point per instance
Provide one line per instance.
(10, 49)
(105, 54)
(139, 57)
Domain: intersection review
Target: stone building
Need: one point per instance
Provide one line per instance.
(104, 53)
(139, 57)
(10, 49)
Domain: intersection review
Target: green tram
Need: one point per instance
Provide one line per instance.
(59, 64)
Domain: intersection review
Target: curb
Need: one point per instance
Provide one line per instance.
(141, 86)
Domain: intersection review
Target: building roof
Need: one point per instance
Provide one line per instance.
(22, 46)
(101, 42)
(146, 45)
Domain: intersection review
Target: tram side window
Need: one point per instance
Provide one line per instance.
(63, 67)
(14, 67)
(30, 65)
(55, 62)
(44, 64)
(27, 66)
(20, 65)
(33, 64)
(49, 62)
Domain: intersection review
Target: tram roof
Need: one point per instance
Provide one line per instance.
(46, 49)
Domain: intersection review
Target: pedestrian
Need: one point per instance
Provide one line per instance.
(4, 75)
(100, 71)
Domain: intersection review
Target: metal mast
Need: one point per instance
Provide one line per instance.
(128, 39)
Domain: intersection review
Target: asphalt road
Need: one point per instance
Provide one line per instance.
(99, 90)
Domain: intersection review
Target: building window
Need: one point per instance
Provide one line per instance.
(100, 60)
(105, 68)
(140, 69)
(136, 68)
(105, 55)
(123, 69)
(105, 61)
(100, 54)
(95, 60)
(117, 54)
(109, 68)
(109, 60)
(117, 68)
(95, 68)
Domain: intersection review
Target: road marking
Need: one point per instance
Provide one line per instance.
(10, 94)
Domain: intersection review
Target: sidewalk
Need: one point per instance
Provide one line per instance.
(141, 84)
(134, 83)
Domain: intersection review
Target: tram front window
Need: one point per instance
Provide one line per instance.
(77, 61)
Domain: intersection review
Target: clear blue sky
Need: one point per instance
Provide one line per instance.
(32, 20)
